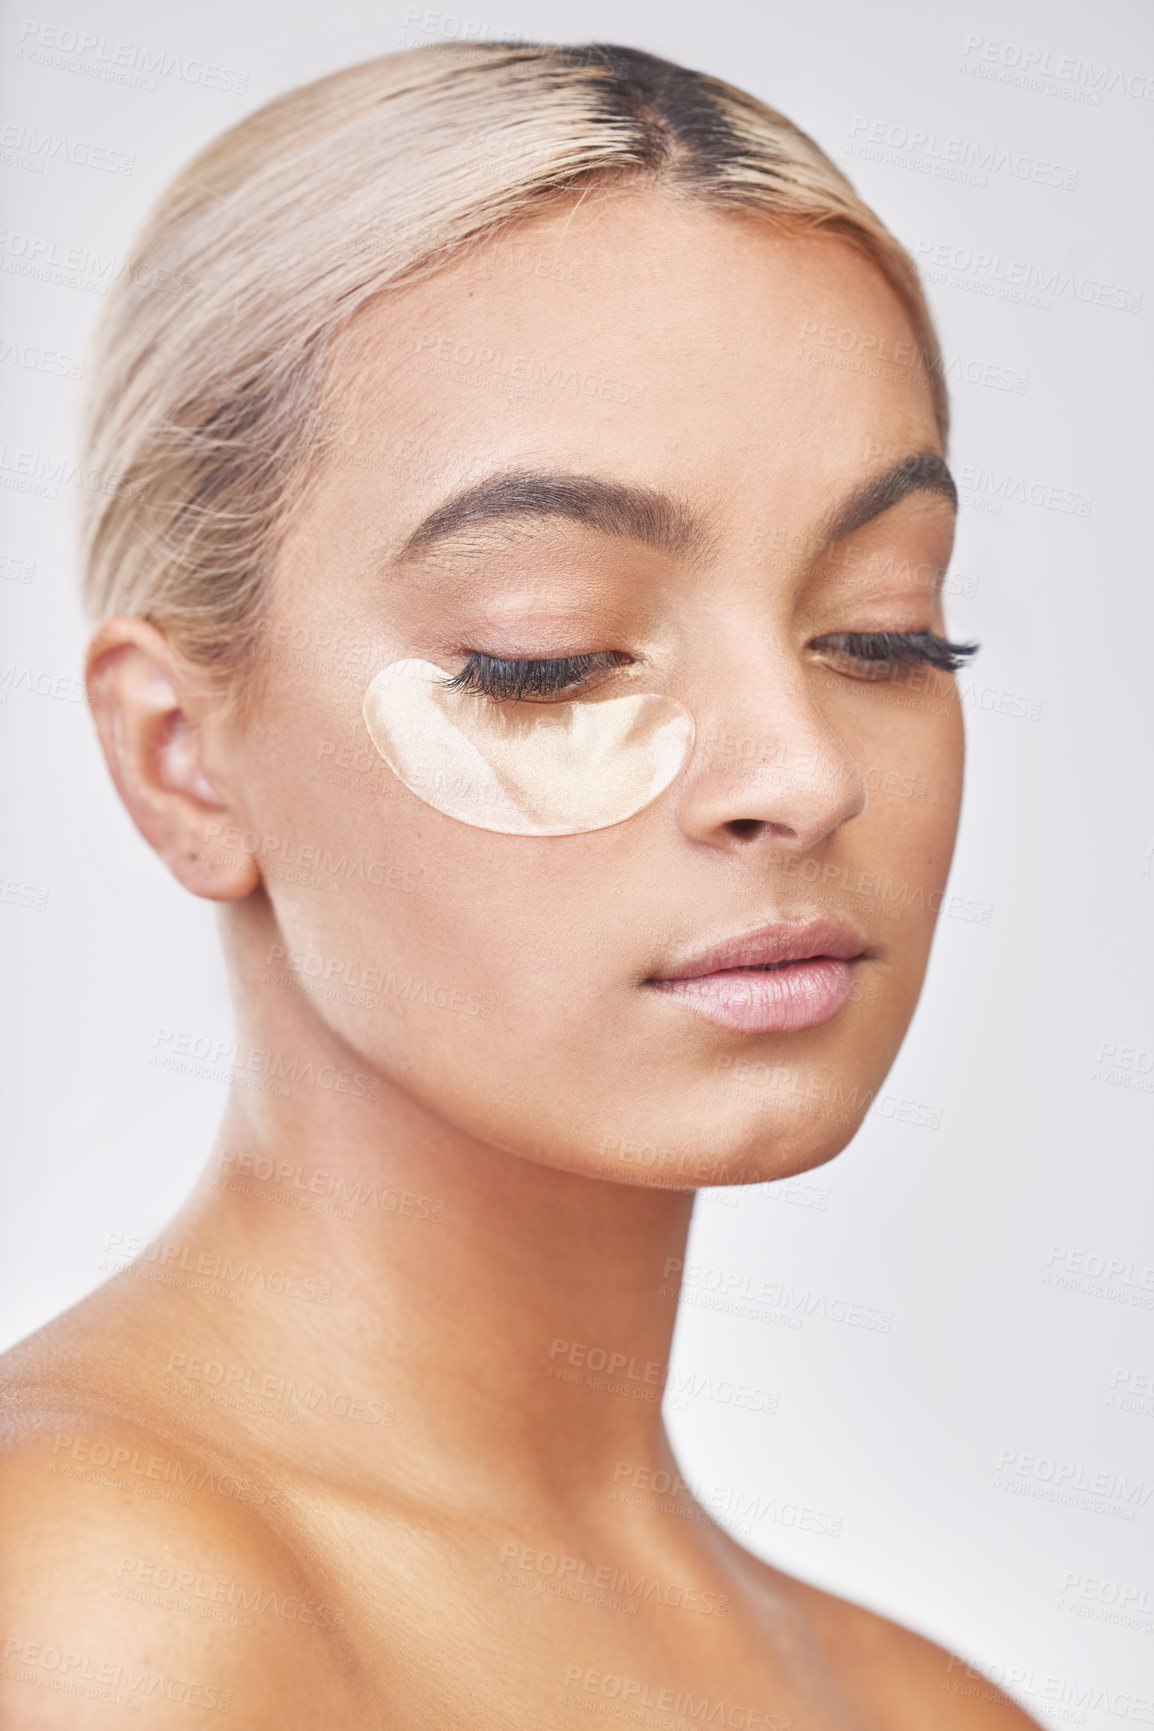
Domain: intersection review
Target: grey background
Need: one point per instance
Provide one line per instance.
(997, 1200)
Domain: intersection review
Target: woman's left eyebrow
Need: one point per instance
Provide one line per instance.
(643, 514)
(920, 472)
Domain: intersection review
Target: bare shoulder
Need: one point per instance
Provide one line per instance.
(145, 1575)
(905, 1681)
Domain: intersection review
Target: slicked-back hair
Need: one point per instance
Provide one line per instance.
(210, 356)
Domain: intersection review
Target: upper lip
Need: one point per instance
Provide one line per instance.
(783, 941)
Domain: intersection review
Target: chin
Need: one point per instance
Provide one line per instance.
(754, 1148)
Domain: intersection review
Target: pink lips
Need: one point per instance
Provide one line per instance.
(778, 980)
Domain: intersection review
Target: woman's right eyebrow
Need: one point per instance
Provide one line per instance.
(636, 513)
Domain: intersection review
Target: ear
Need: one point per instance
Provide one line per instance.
(153, 714)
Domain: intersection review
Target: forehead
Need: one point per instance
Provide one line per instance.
(642, 336)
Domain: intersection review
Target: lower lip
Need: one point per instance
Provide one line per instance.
(757, 1001)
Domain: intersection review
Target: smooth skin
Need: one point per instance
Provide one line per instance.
(316, 1456)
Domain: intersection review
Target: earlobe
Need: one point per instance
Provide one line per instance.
(150, 715)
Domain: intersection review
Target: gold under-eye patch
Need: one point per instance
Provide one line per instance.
(525, 768)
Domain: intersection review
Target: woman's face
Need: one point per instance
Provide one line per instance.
(726, 396)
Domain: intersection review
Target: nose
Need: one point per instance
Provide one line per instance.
(768, 767)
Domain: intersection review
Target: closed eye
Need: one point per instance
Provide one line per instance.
(513, 681)
(880, 654)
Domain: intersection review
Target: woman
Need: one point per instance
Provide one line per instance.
(501, 617)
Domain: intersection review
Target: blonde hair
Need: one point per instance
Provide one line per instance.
(211, 352)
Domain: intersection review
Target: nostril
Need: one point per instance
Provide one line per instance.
(747, 828)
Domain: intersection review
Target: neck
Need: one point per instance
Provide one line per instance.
(516, 1318)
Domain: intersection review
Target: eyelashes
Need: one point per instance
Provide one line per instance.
(511, 681)
(872, 655)
(878, 654)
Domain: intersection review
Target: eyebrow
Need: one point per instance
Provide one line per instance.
(634, 513)
(920, 472)
(646, 515)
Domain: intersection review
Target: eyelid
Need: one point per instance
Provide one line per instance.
(508, 679)
(907, 648)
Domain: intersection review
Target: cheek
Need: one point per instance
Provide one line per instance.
(531, 769)
(909, 745)
(912, 819)
(406, 921)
